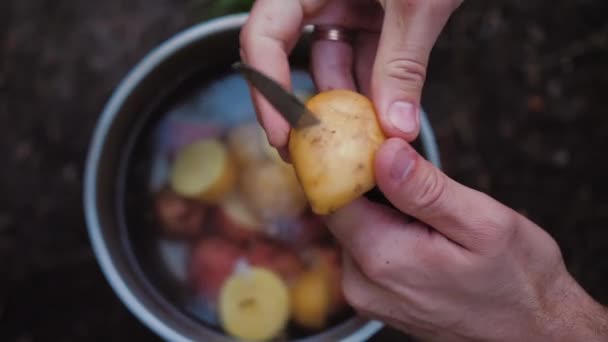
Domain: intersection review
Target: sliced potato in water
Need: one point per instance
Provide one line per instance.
(203, 170)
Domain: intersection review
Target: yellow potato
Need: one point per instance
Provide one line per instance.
(203, 170)
(272, 189)
(254, 304)
(311, 299)
(334, 159)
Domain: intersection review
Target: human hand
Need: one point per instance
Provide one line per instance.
(469, 268)
(389, 54)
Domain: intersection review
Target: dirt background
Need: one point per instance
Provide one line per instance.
(516, 93)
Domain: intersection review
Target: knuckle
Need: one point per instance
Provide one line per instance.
(409, 74)
(495, 234)
(431, 191)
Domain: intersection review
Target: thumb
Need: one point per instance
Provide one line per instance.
(409, 32)
(419, 189)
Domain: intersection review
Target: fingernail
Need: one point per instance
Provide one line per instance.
(403, 116)
(403, 162)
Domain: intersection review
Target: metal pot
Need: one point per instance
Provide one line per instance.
(209, 46)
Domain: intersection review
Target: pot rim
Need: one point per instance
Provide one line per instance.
(104, 259)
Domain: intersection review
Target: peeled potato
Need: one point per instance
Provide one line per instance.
(311, 299)
(245, 143)
(269, 151)
(203, 170)
(334, 159)
(249, 145)
(254, 304)
(273, 191)
(329, 260)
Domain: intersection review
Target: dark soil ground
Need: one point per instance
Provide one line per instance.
(517, 93)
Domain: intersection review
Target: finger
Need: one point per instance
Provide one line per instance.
(332, 61)
(365, 49)
(351, 14)
(372, 300)
(266, 40)
(382, 239)
(418, 188)
(331, 65)
(361, 292)
(409, 32)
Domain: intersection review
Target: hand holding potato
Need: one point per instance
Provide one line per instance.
(470, 268)
(386, 60)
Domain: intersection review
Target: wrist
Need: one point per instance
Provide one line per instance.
(570, 314)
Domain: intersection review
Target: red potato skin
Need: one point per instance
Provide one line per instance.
(276, 257)
(212, 261)
(180, 217)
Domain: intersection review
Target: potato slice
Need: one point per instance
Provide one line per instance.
(273, 191)
(254, 304)
(203, 170)
(334, 159)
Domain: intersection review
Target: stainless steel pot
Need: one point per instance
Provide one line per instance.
(208, 46)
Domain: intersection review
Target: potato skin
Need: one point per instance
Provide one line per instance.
(180, 217)
(212, 261)
(334, 159)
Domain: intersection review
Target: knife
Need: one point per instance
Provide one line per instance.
(287, 104)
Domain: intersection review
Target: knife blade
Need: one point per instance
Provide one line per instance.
(287, 104)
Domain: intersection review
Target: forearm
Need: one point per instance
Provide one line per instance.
(589, 323)
(575, 316)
